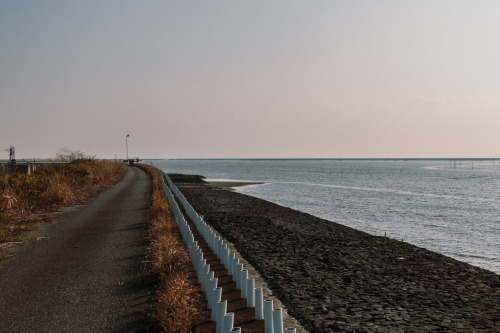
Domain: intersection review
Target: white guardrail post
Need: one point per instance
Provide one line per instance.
(208, 277)
(237, 275)
(216, 299)
(201, 266)
(211, 292)
(228, 322)
(221, 311)
(277, 321)
(259, 304)
(250, 293)
(243, 283)
(230, 268)
(268, 316)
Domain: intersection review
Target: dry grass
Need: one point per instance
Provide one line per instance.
(25, 200)
(8, 203)
(175, 310)
(177, 299)
(59, 192)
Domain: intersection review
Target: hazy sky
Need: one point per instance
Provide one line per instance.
(200, 79)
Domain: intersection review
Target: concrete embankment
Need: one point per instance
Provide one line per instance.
(336, 279)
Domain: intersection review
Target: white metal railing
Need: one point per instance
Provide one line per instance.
(273, 318)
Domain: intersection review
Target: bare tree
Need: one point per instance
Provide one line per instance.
(67, 155)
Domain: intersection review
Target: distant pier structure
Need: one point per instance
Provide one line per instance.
(132, 161)
(26, 167)
(457, 162)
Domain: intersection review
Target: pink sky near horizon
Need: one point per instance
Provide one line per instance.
(226, 79)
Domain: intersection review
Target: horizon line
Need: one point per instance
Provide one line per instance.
(327, 158)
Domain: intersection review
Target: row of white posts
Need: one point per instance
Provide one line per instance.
(273, 318)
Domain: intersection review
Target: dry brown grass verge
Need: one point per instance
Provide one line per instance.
(28, 200)
(177, 301)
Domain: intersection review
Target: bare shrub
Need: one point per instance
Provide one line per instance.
(8, 203)
(59, 192)
(68, 155)
(108, 171)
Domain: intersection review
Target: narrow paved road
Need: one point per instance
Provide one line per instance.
(87, 275)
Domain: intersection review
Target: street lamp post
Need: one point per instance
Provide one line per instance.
(126, 144)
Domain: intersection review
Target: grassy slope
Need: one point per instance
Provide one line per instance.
(27, 200)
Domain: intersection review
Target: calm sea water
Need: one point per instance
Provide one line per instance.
(448, 207)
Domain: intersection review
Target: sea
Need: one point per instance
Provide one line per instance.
(450, 206)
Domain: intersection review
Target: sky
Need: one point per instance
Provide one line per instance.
(250, 79)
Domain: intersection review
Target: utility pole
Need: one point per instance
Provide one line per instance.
(12, 155)
(126, 144)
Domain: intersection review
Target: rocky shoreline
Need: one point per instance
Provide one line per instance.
(333, 278)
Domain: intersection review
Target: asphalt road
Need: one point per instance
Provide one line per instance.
(87, 274)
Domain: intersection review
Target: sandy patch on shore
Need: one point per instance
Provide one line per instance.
(230, 185)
